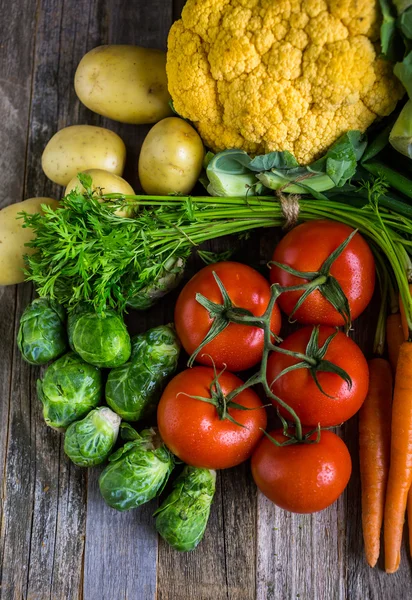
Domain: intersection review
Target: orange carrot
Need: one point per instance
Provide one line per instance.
(403, 317)
(400, 471)
(374, 453)
(409, 509)
(394, 337)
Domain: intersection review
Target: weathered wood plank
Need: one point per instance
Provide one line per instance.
(16, 67)
(121, 549)
(110, 535)
(58, 505)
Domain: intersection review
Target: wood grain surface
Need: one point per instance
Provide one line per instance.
(58, 540)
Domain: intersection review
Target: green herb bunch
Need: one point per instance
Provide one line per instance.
(87, 253)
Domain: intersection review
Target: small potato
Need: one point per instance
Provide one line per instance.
(81, 147)
(124, 83)
(171, 158)
(13, 238)
(107, 182)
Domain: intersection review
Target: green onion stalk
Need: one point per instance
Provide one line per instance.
(84, 252)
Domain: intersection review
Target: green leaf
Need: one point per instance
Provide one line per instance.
(405, 23)
(340, 161)
(402, 5)
(86, 182)
(401, 134)
(273, 160)
(128, 433)
(403, 71)
(378, 143)
(388, 28)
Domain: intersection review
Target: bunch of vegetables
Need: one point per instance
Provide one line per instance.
(292, 153)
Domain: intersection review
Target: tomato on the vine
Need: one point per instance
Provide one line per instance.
(314, 391)
(302, 477)
(201, 434)
(238, 346)
(305, 249)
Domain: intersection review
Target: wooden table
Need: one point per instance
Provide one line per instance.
(59, 541)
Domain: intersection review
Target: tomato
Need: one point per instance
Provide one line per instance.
(238, 347)
(299, 390)
(192, 429)
(302, 478)
(306, 248)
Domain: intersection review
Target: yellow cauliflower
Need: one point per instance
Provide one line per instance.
(266, 75)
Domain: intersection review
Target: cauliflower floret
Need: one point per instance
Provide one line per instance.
(286, 75)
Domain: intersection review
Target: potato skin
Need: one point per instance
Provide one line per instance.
(171, 158)
(13, 237)
(108, 182)
(81, 147)
(124, 83)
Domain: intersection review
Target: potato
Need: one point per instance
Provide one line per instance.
(171, 158)
(107, 182)
(124, 83)
(81, 147)
(13, 238)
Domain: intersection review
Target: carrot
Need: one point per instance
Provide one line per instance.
(400, 471)
(374, 453)
(394, 337)
(409, 510)
(403, 317)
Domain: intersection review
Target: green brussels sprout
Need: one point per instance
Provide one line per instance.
(182, 518)
(138, 471)
(70, 388)
(142, 298)
(89, 442)
(42, 333)
(100, 339)
(134, 389)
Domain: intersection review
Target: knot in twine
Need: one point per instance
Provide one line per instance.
(290, 209)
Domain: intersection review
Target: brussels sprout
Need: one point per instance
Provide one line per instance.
(182, 518)
(142, 298)
(134, 389)
(137, 472)
(42, 332)
(89, 442)
(100, 339)
(70, 389)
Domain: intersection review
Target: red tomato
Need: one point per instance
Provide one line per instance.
(306, 248)
(192, 429)
(299, 390)
(238, 347)
(302, 478)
